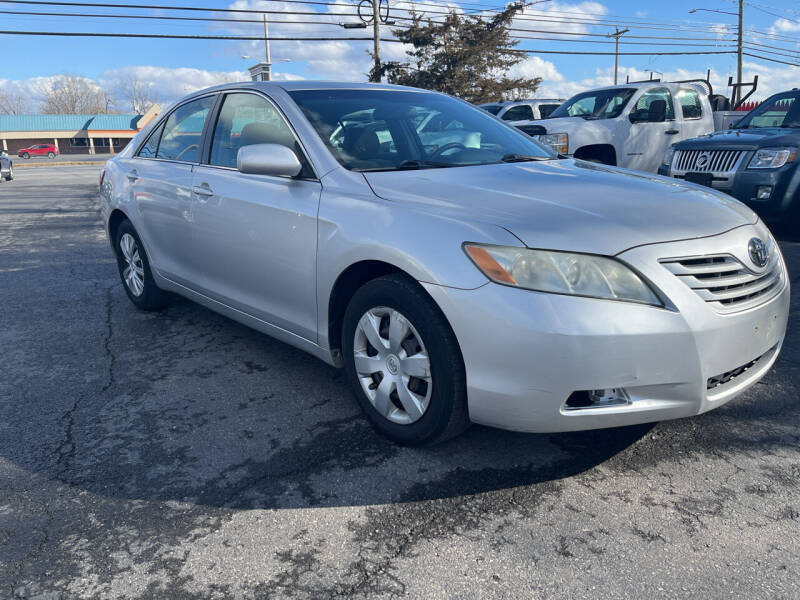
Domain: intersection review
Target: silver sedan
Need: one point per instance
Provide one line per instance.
(456, 269)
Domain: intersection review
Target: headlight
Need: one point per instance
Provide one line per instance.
(558, 141)
(561, 273)
(772, 158)
(668, 156)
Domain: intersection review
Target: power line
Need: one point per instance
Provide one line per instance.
(194, 19)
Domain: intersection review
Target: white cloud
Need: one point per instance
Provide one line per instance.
(785, 26)
(772, 79)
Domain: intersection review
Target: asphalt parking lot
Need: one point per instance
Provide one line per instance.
(180, 455)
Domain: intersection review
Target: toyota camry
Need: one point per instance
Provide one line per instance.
(455, 268)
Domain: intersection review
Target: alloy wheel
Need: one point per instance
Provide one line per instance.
(133, 273)
(393, 365)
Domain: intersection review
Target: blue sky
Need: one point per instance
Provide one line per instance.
(177, 66)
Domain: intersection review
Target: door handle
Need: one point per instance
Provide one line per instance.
(202, 190)
(132, 176)
(671, 131)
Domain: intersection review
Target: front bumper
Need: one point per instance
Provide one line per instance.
(526, 352)
(784, 199)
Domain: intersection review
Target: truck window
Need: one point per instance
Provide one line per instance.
(521, 112)
(651, 95)
(597, 104)
(691, 108)
(545, 110)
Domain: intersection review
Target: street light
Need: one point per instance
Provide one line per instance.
(740, 15)
(273, 62)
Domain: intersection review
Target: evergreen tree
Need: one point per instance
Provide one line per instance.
(467, 56)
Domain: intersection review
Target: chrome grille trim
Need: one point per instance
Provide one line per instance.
(725, 282)
(722, 162)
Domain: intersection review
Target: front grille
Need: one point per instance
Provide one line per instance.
(712, 161)
(725, 282)
(729, 376)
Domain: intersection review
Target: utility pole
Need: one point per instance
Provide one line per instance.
(266, 45)
(739, 53)
(616, 35)
(376, 41)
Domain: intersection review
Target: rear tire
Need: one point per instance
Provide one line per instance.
(134, 270)
(51, 155)
(394, 371)
(25, 155)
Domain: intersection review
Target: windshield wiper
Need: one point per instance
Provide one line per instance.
(408, 165)
(512, 158)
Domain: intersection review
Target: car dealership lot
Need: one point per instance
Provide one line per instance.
(179, 454)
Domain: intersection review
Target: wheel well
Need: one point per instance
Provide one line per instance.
(605, 153)
(352, 278)
(117, 217)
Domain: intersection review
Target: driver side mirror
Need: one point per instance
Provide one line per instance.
(268, 159)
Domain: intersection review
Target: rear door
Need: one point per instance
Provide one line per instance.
(159, 178)
(256, 235)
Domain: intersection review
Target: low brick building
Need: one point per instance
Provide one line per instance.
(72, 134)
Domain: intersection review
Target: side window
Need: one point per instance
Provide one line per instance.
(183, 130)
(247, 119)
(521, 112)
(643, 104)
(546, 109)
(691, 108)
(151, 146)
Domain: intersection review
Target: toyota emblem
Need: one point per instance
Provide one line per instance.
(759, 253)
(702, 160)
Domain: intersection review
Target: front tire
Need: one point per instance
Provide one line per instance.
(134, 270)
(403, 362)
(25, 155)
(10, 174)
(51, 155)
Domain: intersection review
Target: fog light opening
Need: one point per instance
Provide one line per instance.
(602, 398)
(763, 192)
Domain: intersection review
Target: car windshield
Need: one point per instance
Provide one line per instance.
(780, 110)
(491, 108)
(388, 130)
(597, 104)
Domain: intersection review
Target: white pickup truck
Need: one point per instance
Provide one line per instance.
(630, 125)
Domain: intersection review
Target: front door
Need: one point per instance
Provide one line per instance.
(648, 141)
(256, 235)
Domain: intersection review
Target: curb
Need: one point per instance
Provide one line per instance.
(66, 163)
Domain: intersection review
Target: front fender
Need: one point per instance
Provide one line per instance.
(363, 227)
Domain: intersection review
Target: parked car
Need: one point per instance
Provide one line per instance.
(497, 283)
(756, 160)
(629, 125)
(523, 113)
(48, 150)
(6, 168)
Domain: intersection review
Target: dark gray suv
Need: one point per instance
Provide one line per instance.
(756, 161)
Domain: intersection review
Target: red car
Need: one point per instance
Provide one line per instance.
(48, 150)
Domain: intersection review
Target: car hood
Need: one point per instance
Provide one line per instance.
(745, 138)
(567, 204)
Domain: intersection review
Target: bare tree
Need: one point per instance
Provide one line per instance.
(13, 103)
(139, 94)
(72, 95)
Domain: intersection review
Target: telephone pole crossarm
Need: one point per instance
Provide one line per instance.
(616, 35)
